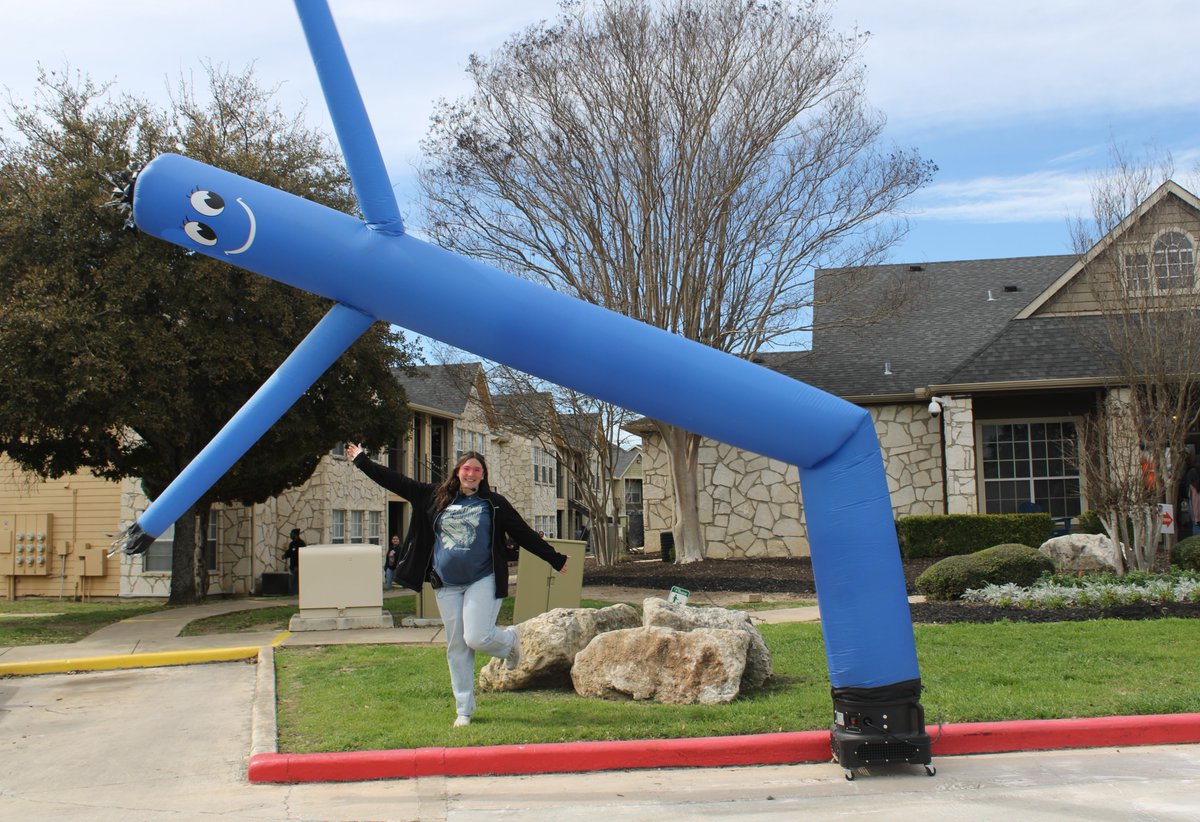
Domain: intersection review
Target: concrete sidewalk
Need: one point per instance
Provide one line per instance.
(153, 639)
(172, 743)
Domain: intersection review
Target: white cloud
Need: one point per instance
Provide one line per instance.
(941, 62)
(1035, 197)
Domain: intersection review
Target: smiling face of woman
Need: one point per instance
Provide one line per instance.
(470, 474)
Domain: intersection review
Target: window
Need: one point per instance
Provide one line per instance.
(543, 466)
(1170, 265)
(374, 527)
(337, 527)
(158, 557)
(546, 526)
(356, 526)
(339, 450)
(633, 492)
(1174, 262)
(465, 441)
(210, 542)
(1029, 463)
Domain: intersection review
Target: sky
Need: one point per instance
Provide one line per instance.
(1016, 101)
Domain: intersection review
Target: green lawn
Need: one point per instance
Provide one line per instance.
(342, 698)
(47, 622)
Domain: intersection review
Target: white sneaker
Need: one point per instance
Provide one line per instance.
(462, 721)
(514, 656)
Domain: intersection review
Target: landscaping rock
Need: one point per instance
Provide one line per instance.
(658, 612)
(549, 643)
(1082, 552)
(702, 666)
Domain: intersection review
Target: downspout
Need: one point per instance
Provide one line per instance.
(945, 473)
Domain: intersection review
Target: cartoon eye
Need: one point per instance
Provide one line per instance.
(200, 232)
(208, 203)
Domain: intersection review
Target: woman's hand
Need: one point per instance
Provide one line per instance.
(353, 449)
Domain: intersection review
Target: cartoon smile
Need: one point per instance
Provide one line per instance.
(211, 204)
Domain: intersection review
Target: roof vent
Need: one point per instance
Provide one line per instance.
(887, 369)
(1009, 289)
(990, 298)
(916, 268)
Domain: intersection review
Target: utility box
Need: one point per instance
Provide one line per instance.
(426, 609)
(540, 588)
(340, 587)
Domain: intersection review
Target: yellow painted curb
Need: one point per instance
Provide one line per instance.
(109, 663)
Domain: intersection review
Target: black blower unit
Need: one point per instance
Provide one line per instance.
(878, 726)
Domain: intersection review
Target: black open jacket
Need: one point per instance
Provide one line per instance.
(416, 556)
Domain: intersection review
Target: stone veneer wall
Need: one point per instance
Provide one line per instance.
(958, 421)
(750, 504)
(251, 540)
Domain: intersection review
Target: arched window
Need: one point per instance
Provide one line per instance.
(1174, 261)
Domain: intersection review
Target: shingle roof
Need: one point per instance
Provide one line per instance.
(440, 388)
(1039, 348)
(950, 320)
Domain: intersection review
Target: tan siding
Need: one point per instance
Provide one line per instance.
(83, 511)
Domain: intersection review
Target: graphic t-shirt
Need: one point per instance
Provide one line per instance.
(462, 549)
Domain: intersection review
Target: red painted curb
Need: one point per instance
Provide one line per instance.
(707, 752)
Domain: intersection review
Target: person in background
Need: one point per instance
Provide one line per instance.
(1192, 479)
(389, 563)
(292, 555)
(459, 530)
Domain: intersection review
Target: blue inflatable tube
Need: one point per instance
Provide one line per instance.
(405, 281)
(372, 270)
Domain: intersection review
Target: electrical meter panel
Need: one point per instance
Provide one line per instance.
(26, 545)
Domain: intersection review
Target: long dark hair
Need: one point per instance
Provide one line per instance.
(450, 487)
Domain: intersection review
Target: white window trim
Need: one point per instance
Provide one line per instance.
(980, 481)
(1127, 249)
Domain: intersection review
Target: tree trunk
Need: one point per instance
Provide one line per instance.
(202, 554)
(183, 560)
(684, 450)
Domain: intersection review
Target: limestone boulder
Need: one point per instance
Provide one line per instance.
(1082, 552)
(660, 613)
(549, 643)
(702, 666)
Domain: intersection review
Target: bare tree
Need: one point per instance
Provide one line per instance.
(1141, 273)
(581, 429)
(689, 163)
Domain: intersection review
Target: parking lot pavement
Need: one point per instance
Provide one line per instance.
(173, 743)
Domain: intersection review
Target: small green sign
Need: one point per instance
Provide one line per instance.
(679, 596)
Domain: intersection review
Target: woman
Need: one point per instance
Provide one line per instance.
(458, 532)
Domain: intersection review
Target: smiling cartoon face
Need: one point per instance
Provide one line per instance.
(210, 206)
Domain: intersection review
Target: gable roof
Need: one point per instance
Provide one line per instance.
(959, 309)
(624, 458)
(440, 389)
(1168, 189)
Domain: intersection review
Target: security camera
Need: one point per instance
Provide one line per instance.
(935, 407)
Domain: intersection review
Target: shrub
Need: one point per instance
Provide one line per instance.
(944, 535)
(1186, 554)
(1089, 523)
(1001, 564)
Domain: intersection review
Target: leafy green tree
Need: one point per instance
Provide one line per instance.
(124, 355)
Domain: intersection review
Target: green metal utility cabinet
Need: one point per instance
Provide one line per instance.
(540, 588)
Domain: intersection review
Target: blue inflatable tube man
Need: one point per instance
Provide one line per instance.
(372, 270)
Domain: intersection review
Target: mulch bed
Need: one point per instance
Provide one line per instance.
(777, 576)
